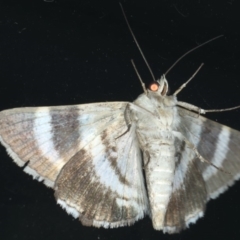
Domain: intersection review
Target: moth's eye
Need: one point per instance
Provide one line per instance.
(154, 86)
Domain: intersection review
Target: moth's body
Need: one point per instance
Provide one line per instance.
(157, 143)
(95, 166)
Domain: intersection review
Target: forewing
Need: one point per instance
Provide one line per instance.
(218, 144)
(76, 150)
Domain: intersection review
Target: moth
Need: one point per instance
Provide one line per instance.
(112, 163)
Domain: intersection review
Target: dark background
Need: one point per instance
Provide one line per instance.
(72, 52)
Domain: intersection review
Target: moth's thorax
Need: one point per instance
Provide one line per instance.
(155, 100)
(158, 111)
(155, 120)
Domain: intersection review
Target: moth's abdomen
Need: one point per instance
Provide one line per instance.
(159, 172)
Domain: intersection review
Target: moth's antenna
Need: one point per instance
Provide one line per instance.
(192, 51)
(140, 50)
(139, 77)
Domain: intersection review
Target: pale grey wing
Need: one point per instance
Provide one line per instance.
(189, 194)
(54, 144)
(106, 188)
(47, 137)
(218, 144)
(196, 182)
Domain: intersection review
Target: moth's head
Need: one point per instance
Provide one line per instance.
(160, 86)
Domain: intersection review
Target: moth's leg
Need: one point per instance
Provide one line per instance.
(202, 111)
(191, 107)
(127, 117)
(185, 84)
(193, 147)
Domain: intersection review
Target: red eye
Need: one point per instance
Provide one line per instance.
(154, 86)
